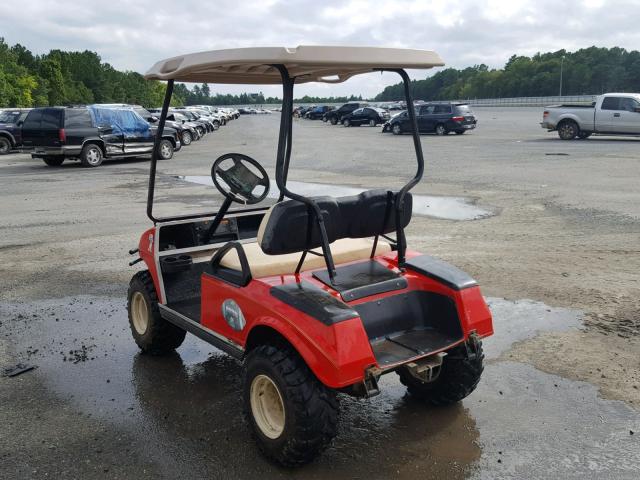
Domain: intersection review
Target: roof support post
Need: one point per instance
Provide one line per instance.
(399, 204)
(282, 165)
(156, 146)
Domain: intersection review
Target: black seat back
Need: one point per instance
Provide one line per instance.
(291, 227)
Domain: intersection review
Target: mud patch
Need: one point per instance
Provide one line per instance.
(448, 208)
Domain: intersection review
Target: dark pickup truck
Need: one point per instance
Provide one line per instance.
(92, 134)
(10, 129)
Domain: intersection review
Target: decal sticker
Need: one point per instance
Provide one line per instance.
(233, 315)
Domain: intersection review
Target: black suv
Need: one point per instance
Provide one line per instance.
(335, 116)
(439, 118)
(10, 131)
(91, 134)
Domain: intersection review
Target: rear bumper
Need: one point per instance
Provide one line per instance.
(65, 150)
(547, 125)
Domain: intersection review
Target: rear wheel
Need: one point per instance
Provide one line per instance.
(5, 145)
(293, 416)
(53, 161)
(334, 121)
(165, 149)
(459, 376)
(186, 138)
(396, 129)
(441, 129)
(91, 155)
(568, 130)
(152, 333)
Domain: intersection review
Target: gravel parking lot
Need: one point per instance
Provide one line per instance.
(557, 254)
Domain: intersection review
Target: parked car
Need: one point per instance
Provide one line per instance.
(11, 129)
(365, 116)
(610, 114)
(201, 125)
(317, 112)
(335, 116)
(440, 118)
(92, 134)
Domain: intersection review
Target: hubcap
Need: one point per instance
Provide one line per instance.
(439, 129)
(4, 145)
(396, 129)
(186, 138)
(139, 313)
(267, 406)
(93, 156)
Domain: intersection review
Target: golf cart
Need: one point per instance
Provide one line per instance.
(315, 295)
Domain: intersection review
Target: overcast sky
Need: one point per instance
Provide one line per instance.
(134, 34)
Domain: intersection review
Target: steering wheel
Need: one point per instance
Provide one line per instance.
(238, 177)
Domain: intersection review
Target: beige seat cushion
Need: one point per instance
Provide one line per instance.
(263, 265)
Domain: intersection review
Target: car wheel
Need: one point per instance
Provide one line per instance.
(441, 129)
(334, 121)
(186, 138)
(53, 161)
(152, 333)
(91, 155)
(396, 129)
(292, 415)
(346, 122)
(372, 123)
(165, 149)
(324, 119)
(5, 146)
(459, 375)
(568, 130)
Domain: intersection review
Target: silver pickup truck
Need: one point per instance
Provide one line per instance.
(610, 114)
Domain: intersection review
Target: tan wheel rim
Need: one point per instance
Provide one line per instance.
(267, 406)
(139, 313)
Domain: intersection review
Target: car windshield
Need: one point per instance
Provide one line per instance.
(462, 110)
(143, 112)
(9, 117)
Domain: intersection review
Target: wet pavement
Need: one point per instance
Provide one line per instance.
(186, 409)
(449, 208)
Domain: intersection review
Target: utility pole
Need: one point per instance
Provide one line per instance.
(561, 66)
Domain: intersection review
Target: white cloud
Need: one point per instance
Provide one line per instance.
(133, 35)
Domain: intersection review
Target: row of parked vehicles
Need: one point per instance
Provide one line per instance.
(91, 133)
(433, 117)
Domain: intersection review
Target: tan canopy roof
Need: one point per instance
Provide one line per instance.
(306, 63)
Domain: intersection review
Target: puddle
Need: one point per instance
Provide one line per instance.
(186, 408)
(448, 208)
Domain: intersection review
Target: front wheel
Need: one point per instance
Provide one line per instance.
(165, 149)
(459, 376)
(346, 122)
(151, 332)
(334, 121)
(186, 138)
(372, 123)
(568, 130)
(292, 415)
(5, 146)
(396, 129)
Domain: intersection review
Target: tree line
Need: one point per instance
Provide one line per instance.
(588, 71)
(71, 78)
(67, 78)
